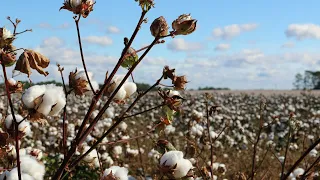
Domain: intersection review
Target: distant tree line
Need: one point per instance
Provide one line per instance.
(308, 80)
(212, 88)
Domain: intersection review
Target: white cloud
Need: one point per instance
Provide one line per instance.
(53, 42)
(46, 25)
(99, 40)
(303, 31)
(288, 45)
(222, 47)
(179, 44)
(230, 31)
(113, 29)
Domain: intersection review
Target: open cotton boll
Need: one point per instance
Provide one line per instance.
(118, 78)
(182, 169)
(9, 120)
(120, 173)
(173, 93)
(12, 81)
(31, 94)
(175, 158)
(121, 94)
(81, 74)
(91, 156)
(130, 88)
(31, 166)
(53, 96)
(298, 172)
(171, 158)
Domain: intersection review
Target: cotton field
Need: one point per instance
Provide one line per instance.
(273, 127)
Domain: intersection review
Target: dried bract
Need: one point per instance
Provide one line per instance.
(146, 5)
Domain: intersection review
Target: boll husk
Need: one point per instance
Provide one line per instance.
(184, 25)
(159, 27)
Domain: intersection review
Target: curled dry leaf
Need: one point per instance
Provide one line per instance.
(110, 176)
(31, 59)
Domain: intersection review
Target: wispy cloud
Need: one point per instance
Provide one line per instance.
(231, 31)
(222, 47)
(180, 44)
(99, 40)
(303, 31)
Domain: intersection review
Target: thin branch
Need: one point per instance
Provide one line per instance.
(286, 152)
(210, 140)
(64, 125)
(312, 165)
(81, 53)
(16, 125)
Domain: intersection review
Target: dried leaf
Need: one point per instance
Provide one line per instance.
(31, 59)
(180, 82)
(78, 85)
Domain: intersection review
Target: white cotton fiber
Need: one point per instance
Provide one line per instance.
(121, 94)
(120, 173)
(31, 94)
(130, 88)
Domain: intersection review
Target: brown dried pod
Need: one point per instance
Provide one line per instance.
(31, 59)
(15, 87)
(8, 59)
(168, 73)
(184, 25)
(159, 27)
(110, 176)
(179, 82)
(78, 85)
(82, 7)
(146, 5)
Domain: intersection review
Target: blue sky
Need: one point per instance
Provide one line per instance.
(237, 44)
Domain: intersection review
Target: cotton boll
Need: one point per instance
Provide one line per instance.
(31, 166)
(298, 172)
(12, 81)
(91, 156)
(121, 94)
(313, 153)
(31, 94)
(120, 173)
(48, 100)
(173, 93)
(183, 167)
(9, 120)
(171, 158)
(117, 150)
(175, 158)
(130, 88)
(123, 126)
(110, 112)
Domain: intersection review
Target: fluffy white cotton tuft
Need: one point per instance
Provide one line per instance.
(31, 169)
(23, 127)
(51, 102)
(120, 173)
(175, 158)
(6, 34)
(121, 94)
(130, 88)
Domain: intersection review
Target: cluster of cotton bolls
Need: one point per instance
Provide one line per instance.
(31, 168)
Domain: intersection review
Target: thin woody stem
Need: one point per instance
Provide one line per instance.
(16, 125)
(64, 125)
(81, 53)
(210, 139)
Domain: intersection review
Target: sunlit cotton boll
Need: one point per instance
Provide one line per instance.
(6, 34)
(130, 88)
(298, 172)
(175, 158)
(117, 150)
(52, 100)
(24, 127)
(120, 173)
(31, 166)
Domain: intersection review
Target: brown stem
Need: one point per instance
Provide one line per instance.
(210, 140)
(312, 165)
(140, 157)
(301, 158)
(119, 120)
(16, 125)
(286, 153)
(64, 125)
(81, 53)
(95, 100)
